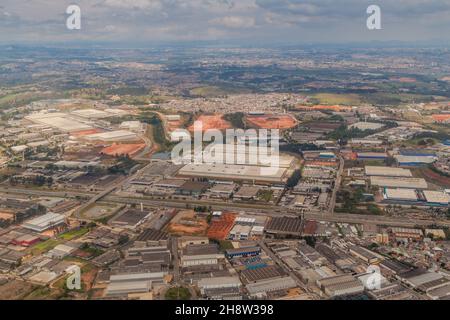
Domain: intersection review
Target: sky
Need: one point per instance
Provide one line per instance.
(245, 21)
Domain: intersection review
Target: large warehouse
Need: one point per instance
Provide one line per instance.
(112, 136)
(234, 172)
(58, 120)
(400, 194)
(44, 222)
(387, 171)
(436, 197)
(396, 182)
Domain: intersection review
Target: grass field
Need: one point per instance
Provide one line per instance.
(215, 91)
(74, 234)
(337, 98)
(45, 246)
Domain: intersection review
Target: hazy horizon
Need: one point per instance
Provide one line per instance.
(229, 21)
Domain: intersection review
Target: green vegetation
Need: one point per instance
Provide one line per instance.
(336, 98)
(225, 245)
(216, 91)
(178, 293)
(45, 246)
(236, 119)
(294, 179)
(123, 165)
(74, 234)
(265, 195)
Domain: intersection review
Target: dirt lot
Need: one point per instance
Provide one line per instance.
(186, 223)
(123, 149)
(212, 122)
(272, 121)
(15, 290)
(432, 177)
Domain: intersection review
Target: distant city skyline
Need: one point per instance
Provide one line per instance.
(239, 21)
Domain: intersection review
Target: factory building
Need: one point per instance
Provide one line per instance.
(243, 252)
(387, 171)
(341, 285)
(413, 161)
(400, 194)
(218, 283)
(398, 182)
(261, 288)
(200, 254)
(371, 155)
(44, 222)
(437, 198)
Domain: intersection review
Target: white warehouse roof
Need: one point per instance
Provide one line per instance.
(387, 171)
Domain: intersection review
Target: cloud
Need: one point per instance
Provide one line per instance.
(291, 20)
(234, 22)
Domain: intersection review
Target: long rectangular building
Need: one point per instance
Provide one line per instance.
(387, 171)
(235, 172)
(397, 182)
(44, 222)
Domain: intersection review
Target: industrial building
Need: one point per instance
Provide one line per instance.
(200, 254)
(387, 171)
(240, 232)
(341, 285)
(44, 222)
(406, 233)
(439, 198)
(260, 274)
(414, 160)
(366, 255)
(131, 218)
(400, 194)
(371, 155)
(112, 136)
(235, 172)
(398, 182)
(261, 288)
(284, 226)
(218, 282)
(61, 121)
(243, 252)
(125, 284)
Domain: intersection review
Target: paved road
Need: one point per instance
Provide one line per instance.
(248, 208)
(337, 184)
(176, 261)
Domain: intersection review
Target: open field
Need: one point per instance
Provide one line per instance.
(15, 290)
(282, 122)
(215, 121)
(186, 223)
(98, 211)
(215, 91)
(83, 133)
(45, 246)
(432, 177)
(73, 234)
(335, 98)
(123, 149)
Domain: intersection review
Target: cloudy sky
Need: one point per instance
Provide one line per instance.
(288, 21)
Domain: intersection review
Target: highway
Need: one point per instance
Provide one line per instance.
(255, 209)
(337, 185)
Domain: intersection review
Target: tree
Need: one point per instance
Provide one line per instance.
(294, 179)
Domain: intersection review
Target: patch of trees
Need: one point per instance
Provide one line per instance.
(236, 119)
(294, 179)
